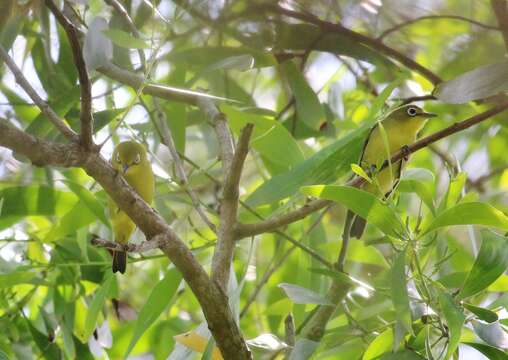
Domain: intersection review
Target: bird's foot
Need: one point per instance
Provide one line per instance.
(405, 152)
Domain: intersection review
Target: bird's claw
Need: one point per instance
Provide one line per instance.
(405, 151)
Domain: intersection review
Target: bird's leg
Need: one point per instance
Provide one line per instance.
(405, 152)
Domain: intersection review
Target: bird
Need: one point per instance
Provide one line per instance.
(402, 127)
(130, 160)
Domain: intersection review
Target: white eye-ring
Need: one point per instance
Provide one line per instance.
(118, 157)
(137, 160)
(411, 111)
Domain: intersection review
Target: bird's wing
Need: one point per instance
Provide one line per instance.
(365, 144)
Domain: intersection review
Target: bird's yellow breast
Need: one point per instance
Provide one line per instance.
(398, 133)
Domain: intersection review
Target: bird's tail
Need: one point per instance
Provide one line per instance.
(119, 261)
(357, 224)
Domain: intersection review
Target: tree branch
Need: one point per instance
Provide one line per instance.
(135, 81)
(363, 39)
(86, 116)
(224, 251)
(41, 104)
(154, 243)
(429, 17)
(245, 230)
(500, 8)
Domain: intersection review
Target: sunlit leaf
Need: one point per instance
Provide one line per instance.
(157, 301)
(471, 213)
(380, 345)
(362, 203)
(481, 313)
(96, 305)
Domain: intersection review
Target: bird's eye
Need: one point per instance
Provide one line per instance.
(118, 157)
(137, 160)
(412, 111)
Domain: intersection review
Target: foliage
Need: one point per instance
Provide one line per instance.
(425, 281)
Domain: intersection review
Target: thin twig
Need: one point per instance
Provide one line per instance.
(145, 246)
(429, 17)
(273, 268)
(167, 138)
(223, 255)
(86, 116)
(41, 104)
(363, 39)
(124, 15)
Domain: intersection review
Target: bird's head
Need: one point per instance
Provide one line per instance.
(128, 154)
(411, 112)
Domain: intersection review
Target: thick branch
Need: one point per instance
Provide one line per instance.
(40, 152)
(500, 8)
(41, 104)
(363, 39)
(86, 116)
(429, 17)
(245, 230)
(224, 251)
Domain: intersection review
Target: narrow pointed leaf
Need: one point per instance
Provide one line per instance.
(490, 264)
(362, 203)
(157, 301)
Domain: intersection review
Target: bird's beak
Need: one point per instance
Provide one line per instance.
(125, 168)
(427, 115)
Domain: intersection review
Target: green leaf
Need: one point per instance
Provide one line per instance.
(325, 166)
(104, 117)
(490, 264)
(49, 350)
(97, 304)
(269, 138)
(419, 181)
(482, 313)
(208, 353)
(480, 83)
(400, 296)
(454, 319)
(301, 295)
(471, 213)
(125, 40)
(376, 109)
(360, 172)
(380, 345)
(454, 191)
(303, 349)
(490, 352)
(402, 355)
(308, 107)
(158, 300)
(362, 203)
(88, 199)
(11, 279)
